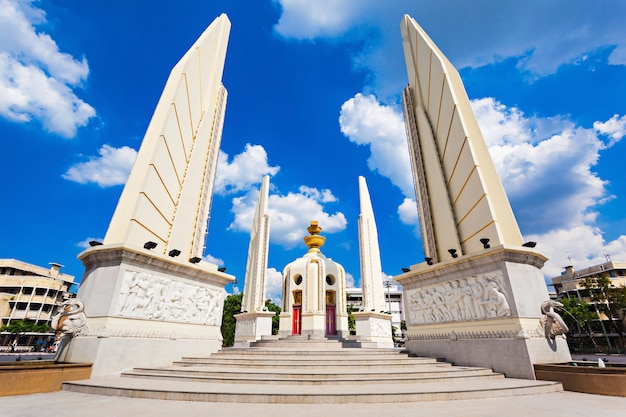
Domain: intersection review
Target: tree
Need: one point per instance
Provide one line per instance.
(351, 320)
(24, 326)
(577, 314)
(232, 306)
(610, 300)
(276, 319)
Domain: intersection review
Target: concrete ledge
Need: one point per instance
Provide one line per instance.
(587, 379)
(30, 378)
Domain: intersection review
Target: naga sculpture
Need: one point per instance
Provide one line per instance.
(553, 323)
(71, 320)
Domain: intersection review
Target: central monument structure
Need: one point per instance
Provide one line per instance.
(476, 300)
(149, 297)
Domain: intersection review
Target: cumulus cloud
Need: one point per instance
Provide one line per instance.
(367, 122)
(274, 286)
(546, 166)
(111, 167)
(349, 280)
(37, 80)
(289, 214)
(213, 260)
(246, 169)
(542, 35)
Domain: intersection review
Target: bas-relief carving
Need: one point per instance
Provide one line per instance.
(473, 298)
(380, 328)
(152, 297)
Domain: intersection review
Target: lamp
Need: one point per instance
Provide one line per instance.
(149, 245)
(529, 244)
(94, 243)
(221, 269)
(405, 269)
(195, 259)
(429, 261)
(485, 243)
(453, 253)
(174, 252)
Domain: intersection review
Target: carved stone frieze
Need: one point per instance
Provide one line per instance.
(153, 297)
(472, 298)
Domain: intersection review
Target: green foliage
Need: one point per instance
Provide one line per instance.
(609, 299)
(577, 313)
(403, 325)
(232, 306)
(351, 320)
(276, 319)
(24, 326)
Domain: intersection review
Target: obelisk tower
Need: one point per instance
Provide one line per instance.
(255, 321)
(149, 297)
(374, 322)
(476, 299)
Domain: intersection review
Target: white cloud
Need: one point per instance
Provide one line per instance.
(349, 280)
(407, 211)
(289, 214)
(246, 169)
(367, 122)
(213, 260)
(549, 178)
(36, 78)
(274, 286)
(615, 128)
(544, 35)
(110, 168)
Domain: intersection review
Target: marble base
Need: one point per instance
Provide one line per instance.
(374, 327)
(482, 310)
(252, 326)
(145, 309)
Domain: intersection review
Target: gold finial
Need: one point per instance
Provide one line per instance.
(314, 241)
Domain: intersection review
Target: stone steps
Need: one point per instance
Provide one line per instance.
(291, 372)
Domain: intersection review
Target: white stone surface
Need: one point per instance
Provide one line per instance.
(167, 197)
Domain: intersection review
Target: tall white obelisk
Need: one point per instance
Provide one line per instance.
(254, 320)
(149, 297)
(476, 300)
(373, 323)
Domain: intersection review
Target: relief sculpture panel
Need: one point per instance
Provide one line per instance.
(473, 298)
(152, 297)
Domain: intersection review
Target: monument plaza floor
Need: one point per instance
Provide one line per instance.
(71, 404)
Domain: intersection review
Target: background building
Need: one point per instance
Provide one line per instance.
(393, 303)
(570, 284)
(32, 293)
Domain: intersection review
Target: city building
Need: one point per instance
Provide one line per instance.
(570, 285)
(32, 293)
(393, 302)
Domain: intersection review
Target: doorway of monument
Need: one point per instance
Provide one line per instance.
(296, 321)
(331, 310)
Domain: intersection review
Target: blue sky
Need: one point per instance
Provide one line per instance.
(313, 102)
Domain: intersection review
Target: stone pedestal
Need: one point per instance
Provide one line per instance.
(374, 327)
(252, 326)
(482, 310)
(145, 309)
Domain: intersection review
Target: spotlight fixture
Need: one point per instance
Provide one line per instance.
(374, 309)
(94, 243)
(195, 260)
(405, 269)
(485, 243)
(174, 252)
(381, 311)
(429, 261)
(529, 244)
(221, 269)
(149, 245)
(453, 253)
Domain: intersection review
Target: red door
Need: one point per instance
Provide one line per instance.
(296, 324)
(331, 326)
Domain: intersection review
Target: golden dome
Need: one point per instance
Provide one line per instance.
(314, 241)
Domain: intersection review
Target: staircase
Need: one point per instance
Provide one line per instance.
(311, 371)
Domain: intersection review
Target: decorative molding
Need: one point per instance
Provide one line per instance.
(105, 332)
